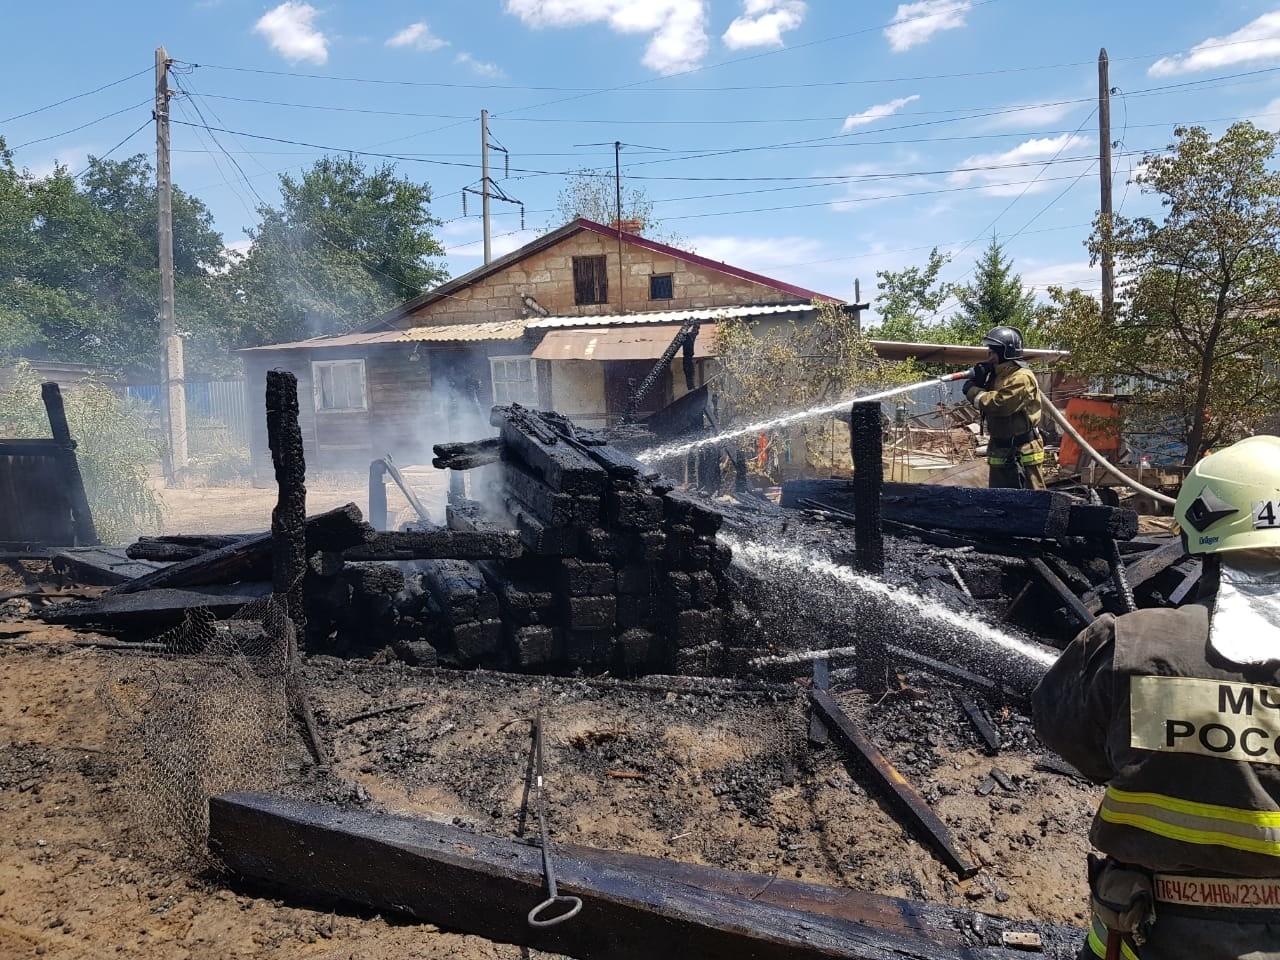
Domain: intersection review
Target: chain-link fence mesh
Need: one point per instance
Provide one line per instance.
(216, 719)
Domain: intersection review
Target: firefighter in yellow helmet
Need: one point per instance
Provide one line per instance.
(1178, 713)
(1006, 393)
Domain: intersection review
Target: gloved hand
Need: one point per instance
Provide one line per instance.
(968, 385)
(982, 374)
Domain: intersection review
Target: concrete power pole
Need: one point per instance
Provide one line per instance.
(484, 180)
(173, 398)
(1104, 173)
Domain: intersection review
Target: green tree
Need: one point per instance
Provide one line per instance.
(593, 195)
(995, 298)
(1197, 323)
(909, 299)
(344, 245)
(79, 268)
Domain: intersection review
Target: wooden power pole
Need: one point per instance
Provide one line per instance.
(484, 180)
(1104, 173)
(173, 398)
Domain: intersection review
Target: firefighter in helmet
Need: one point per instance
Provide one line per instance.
(1005, 391)
(1177, 711)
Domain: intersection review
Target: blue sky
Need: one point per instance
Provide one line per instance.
(812, 141)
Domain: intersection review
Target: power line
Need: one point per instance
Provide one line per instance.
(137, 130)
(78, 96)
(90, 123)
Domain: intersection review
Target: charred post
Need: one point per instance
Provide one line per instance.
(288, 519)
(86, 535)
(866, 445)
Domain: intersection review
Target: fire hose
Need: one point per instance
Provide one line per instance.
(1098, 458)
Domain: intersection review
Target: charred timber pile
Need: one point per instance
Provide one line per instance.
(619, 571)
(1052, 562)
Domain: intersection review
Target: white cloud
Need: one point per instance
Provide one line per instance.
(479, 67)
(878, 182)
(419, 37)
(1259, 40)
(877, 112)
(677, 27)
(1011, 172)
(767, 255)
(916, 23)
(289, 30)
(763, 22)
(1268, 116)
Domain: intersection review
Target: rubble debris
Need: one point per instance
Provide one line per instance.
(100, 566)
(436, 544)
(172, 548)
(1074, 607)
(895, 788)
(818, 735)
(635, 907)
(989, 734)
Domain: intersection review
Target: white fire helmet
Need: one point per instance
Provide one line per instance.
(1231, 499)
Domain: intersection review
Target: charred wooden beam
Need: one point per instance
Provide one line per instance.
(1140, 571)
(171, 549)
(250, 559)
(1073, 604)
(989, 734)
(465, 881)
(1112, 523)
(866, 442)
(467, 455)
(905, 799)
(86, 535)
(991, 513)
(440, 544)
(103, 566)
(527, 439)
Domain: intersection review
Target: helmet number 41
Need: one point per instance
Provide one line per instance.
(1266, 514)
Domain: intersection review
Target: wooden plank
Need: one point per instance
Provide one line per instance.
(250, 559)
(987, 512)
(104, 566)
(439, 544)
(905, 799)
(156, 609)
(818, 735)
(989, 734)
(466, 881)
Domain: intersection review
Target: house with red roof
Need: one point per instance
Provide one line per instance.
(570, 322)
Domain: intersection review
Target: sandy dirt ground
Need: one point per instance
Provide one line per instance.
(87, 869)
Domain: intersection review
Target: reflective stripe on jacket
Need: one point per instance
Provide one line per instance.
(1012, 404)
(1189, 748)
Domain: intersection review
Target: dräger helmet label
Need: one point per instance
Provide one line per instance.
(1266, 514)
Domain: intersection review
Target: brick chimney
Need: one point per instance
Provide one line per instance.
(628, 226)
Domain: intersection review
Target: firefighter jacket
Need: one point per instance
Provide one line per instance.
(1187, 743)
(1011, 404)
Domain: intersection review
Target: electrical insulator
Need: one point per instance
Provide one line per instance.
(522, 216)
(464, 203)
(506, 164)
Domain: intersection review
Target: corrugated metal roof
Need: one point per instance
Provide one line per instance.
(627, 343)
(668, 316)
(486, 330)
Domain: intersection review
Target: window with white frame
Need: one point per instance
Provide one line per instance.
(515, 380)
(339, 384)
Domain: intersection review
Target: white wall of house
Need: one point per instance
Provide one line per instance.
(577, 391)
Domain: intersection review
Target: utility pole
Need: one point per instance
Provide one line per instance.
(484, 180)
(1104, 173)
(173, 396)
(617, 187)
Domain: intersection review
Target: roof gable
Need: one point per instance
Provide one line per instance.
(476, 276)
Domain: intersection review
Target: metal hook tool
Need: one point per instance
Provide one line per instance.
(574, 904)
